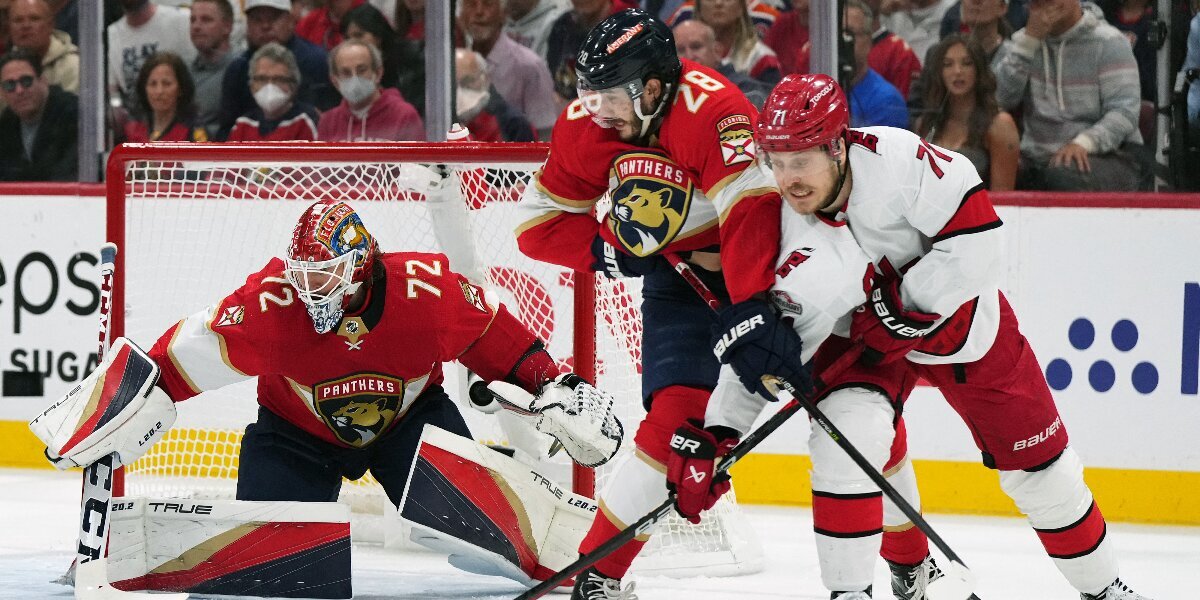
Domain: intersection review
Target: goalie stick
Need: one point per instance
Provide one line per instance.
(91, 564)
(958, 582)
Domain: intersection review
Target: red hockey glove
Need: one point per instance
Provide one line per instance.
(691, 466)
(887, 330)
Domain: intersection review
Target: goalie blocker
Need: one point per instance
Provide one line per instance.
(117, 409)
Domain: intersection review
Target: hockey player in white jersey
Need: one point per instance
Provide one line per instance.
(819, 282)
(924, 218)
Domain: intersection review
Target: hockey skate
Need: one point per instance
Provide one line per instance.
(863, 595)
(592, 585)
(909, 582)
(1116, 590)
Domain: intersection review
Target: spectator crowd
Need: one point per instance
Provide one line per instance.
(1037, 94)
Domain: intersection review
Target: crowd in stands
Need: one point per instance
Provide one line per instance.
(1037, 94)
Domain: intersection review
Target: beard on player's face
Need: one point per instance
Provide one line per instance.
(807, 180)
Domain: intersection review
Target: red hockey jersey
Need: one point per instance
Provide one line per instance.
(707, 136)
(350, 386)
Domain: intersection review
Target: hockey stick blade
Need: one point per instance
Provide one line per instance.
(644, 524)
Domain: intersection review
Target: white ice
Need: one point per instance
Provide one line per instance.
(39, 510)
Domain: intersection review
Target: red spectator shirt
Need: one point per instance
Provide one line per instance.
(139, 131)
(319, 29)
(298, 123)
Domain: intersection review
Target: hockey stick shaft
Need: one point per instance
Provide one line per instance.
(781, 393)
(644, 524)
(98, 476)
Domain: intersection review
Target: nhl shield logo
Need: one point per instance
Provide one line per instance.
(650, 203)
(360, 407)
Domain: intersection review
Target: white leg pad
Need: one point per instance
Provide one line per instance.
(865, 418)
(1056, 497)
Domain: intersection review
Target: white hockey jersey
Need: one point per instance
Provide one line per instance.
(924, 209)
(819, 278)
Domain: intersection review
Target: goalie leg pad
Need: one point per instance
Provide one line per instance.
(271, 549)
(117, 408)
(495, 515)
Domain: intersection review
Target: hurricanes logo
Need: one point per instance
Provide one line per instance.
(650, 202)
(359, 408)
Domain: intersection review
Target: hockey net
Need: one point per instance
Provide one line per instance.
(193, 220)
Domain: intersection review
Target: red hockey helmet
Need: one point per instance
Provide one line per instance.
(330, 255)
(802, 112)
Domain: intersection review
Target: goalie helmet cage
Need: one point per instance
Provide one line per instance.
(193, 220)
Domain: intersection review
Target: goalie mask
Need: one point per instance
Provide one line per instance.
(330, 256)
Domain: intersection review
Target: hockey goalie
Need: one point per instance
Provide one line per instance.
(349, 377)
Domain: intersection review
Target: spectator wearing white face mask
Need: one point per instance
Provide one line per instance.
(366, 112)
(481, 108)
(278, 116)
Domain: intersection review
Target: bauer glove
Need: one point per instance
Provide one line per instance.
(691, 467)
(750, 337)
(887, 330)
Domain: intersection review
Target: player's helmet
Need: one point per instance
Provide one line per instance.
(624, 51)
(630, 45)
(330, 256)
(802, 112)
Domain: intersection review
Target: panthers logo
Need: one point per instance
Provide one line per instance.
(359, 408)
(650, 202)
(341, 230)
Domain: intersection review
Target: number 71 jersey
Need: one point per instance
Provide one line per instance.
(350, 385)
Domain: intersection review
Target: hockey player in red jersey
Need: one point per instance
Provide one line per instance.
(923, 217)
(671, 143)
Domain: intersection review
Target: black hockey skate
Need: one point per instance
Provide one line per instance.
(592, 585)
(1116, 590)
(909, 582)
(863, 595)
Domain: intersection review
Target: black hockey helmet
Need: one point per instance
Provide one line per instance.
(630, 45)
(624, 51)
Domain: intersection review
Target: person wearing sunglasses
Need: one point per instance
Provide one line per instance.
(38, 130)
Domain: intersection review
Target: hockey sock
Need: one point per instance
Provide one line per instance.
(847, 528)
(1068, 522)
(905, 545)
(614, 565)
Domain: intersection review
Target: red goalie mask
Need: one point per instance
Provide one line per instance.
(331, 254)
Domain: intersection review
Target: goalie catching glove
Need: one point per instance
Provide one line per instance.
(118, 408)
(573, 411)
(692, 465)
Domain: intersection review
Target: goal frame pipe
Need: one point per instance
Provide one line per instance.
(583, 479)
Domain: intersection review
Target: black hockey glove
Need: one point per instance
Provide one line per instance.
(692, 464)
(750, 337)
(616, 264)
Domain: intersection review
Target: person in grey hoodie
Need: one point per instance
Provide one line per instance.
(1076, 81)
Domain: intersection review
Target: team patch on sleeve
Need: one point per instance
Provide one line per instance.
(471, 293)
(737, 139)
(231, 315)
